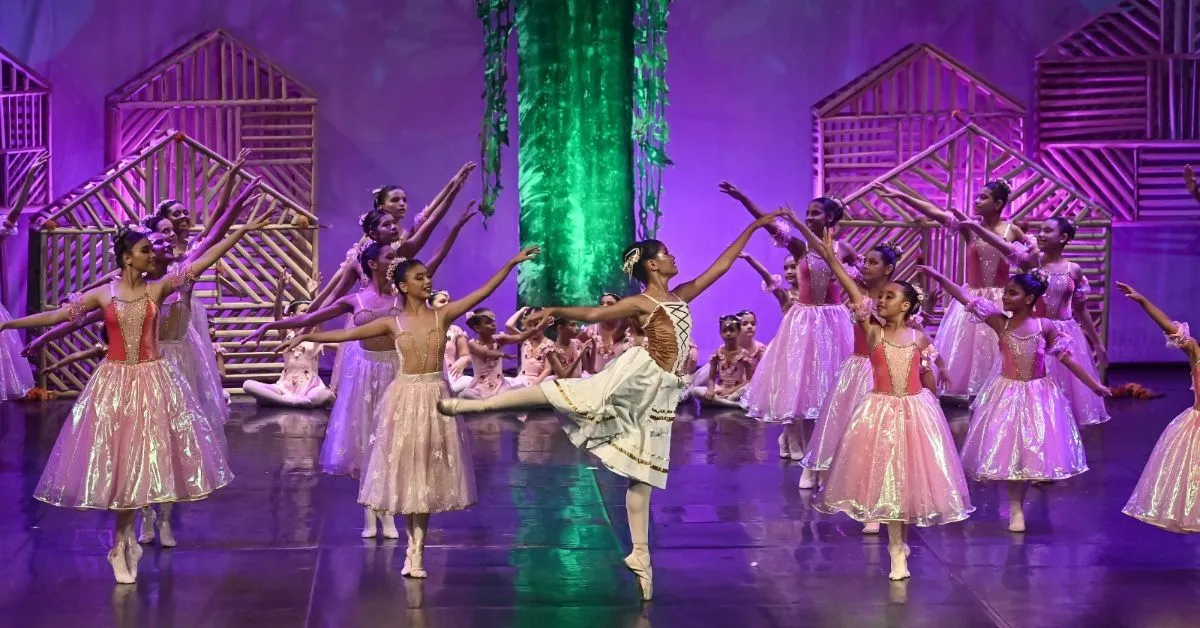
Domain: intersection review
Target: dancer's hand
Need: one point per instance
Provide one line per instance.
(241, 158)
(1130, 292)
(539, 317)
(1101, 358)
(1103, 391)
(465, 171)
(39, 162)
(468, 213)
(943, 380)
(731, 191)
(825, 248)
(526, 255)
(770, 218)
(257, 336)
(3, 325)
(923, 270)
(291, 343)
(883, 191)
(456, 370)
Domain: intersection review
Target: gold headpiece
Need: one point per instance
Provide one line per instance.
(631, 260)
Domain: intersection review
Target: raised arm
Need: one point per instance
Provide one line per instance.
(440, 254)
(76, 307)
(280, 286)
(454, 309)
(209, 256)
(373, 329)
(434, 213)
(526, 334)
(924, 207)
(828, 251)
(795, 246)
(22, 198)
(228, 184)
(770, 282)
(225, 219)
(690, 290)
(986, 310)
(338, 287)
(510, 325)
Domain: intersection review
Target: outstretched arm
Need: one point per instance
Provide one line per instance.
(1016, 252)
(1057, 349)
(22, 199)
(75, 309)
(1164, 322)
(61, 330)
(769, 280)
(373, 329)
(440, 254)
(310, 318)
(454, 309)
(692, 289)
(988, 312)
(434, 213)
(479, 350)
(794, 245)
(924, 207)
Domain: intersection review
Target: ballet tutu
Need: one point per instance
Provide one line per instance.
(365, 377)
(16, 377)
(896, 463)
(1168, 493)
(419, 461)
(798, 367)
(200, 371)
(487, 386)
(344, 350)
(204, 347)
(1022, 430)
(133, 438)
(1086, 406)
(623, 414)
(968, 346)
(854, 382)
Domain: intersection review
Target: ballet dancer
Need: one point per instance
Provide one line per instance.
(299, 385)
(623, 414)
(16, 377)
(565, 357)
(728, 371)
(611, 337)
(533, 368)
(487, 356)
(458, 354)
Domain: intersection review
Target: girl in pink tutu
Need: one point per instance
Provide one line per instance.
(300, 385)
(565, 357)
(134, 437)
(458, 354)
(1168, 493)
(814, 338)
(623, 414)
(896, 461)
(487, 358)
(610, 338)
(533, 368)
(1021, 429)
(419, 462)
(968, 345)
(16, 378)
(729, 371)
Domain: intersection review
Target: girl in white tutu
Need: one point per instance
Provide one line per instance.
(814, 338)
(418, 462)
(1021, 429)
(623, 414)
(1168, 493)
(16, 378)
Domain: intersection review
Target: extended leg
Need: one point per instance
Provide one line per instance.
(528, 398)
(637, 509)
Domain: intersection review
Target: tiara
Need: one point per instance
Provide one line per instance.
(391, 269)
(631, 260)
(134, 228)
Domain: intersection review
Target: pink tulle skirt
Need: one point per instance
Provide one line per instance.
(133, 438)
(1168, 493)
(896, 463)
(799, 366)
(365, 377)
(1022, 430)
(16, 376)
(1086, 406)
(203, 377)
(853, 384)
(419, 461)
(968, 346)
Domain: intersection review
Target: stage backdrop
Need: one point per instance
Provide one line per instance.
(400, 83)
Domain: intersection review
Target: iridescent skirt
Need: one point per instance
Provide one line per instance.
(134, 437)
(418, 461)
(364, 378)
(968, 346)
(896, 463)
(1086, 406)
(16, 376)
(853, 384)
(798, 368)
(1168, 493)
(201, 372)
(1022, 430)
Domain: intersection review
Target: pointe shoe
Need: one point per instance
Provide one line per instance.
(148, 520)
(808, 479)
(368, 531)
(899, 563)
(416, 570)
(133, 554)
(1016, 521)
(783, 445)
(871, 527)
(389, 526)
(120, 566)
(166, 537)
(407, 568)
(449, 406)
(639, 564)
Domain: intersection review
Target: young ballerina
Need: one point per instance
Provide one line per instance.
(487, 358)
(623, 414)
(814, 338)
(16, 377)
(300, 385)
(565, 357)
(729, 370)
(896, 461)
(134, 438)
(1165, 495)
(1065, 304)
(419, 462)
(1021, 429)
(968, 345)
(611, 338)
(533, 368)
(458, 354)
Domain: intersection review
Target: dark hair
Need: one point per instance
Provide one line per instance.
(833, 208)
(742, 313)
(163, 209)
(647, 250)
(525, 315)
(369, 253)
(1030, 283)
(1064, 225)
(379, 197)
(151, 222)
(1000, 190)
(911, 295)
(730, 320)
(610, 294)
(370, 221)
(475, 319)
(889, 254)
(402, 268)
(295, 305)
(127, 237)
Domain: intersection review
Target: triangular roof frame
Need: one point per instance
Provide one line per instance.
(131, 86)
(42, 84)
(905, 55)
(1119, 11)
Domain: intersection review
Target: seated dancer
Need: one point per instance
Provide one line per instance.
(1165, 495)
(458, 354)
(418, 463)
(136, 435)
(300, 385)
(487, 357)
(533, 368)
(16, 377)
(610, 338)
(565, 357)
(729, 371)
(623, 414)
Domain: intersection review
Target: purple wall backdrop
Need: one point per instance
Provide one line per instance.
(399, 85)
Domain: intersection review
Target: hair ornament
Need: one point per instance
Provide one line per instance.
(132, 228)
(1041, 275)
(631, 260)
(837, 198)
(376, 191)
(895, 247)
(391, 269)
(920, 294)
(362, 218)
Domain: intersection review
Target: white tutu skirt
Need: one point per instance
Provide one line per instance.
(1022, 430)
(1168, 493)
(201, 372)
(798, 368)
(968, 346)
(365, 376)
(855, 381)
(623, 414)
(16, 376)
(1087, 407)
(205, 347)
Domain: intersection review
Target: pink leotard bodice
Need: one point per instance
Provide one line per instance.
(815, 282)
(363, 315)
(1059, 301)
(987, 266)
(1023, 357)
(533, 356)
(731, 372)
(896, 369)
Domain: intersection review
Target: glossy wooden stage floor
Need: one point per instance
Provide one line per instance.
(734, 542)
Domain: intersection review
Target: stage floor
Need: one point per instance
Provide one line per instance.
(735, 543)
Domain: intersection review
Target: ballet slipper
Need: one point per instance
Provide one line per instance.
(148, 520)
(639, 563)
(120, 564)
(871, 527)
(407, 568)
(808, 479)
(133, 554)
(1016, 520)
(783, 444)
(416, 570)
(166, 537)
(368, 531)
(389, 525)
(899, 555)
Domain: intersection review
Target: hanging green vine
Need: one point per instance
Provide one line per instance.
(649, 111)
(497, 18)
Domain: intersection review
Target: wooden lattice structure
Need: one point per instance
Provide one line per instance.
(227, 96)
(949, 174)
(73, 247)
(899, 108)
(1118, 108)
(24, 130)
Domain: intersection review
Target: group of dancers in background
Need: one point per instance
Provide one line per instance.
(852, 374)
